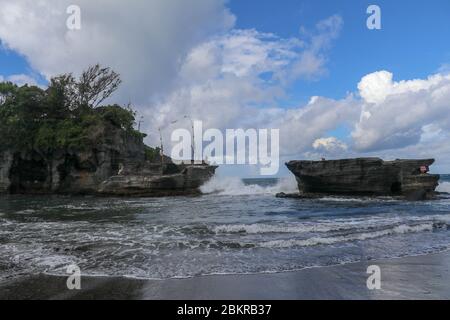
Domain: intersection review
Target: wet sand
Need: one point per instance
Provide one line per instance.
(421, 277)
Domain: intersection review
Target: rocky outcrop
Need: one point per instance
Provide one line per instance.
(116, 165)
(366, 176)
(6, 159)
(68, 171)
(174, 180)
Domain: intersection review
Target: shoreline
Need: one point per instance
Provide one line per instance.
(415, 277)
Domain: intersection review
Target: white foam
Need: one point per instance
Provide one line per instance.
(401, 229)
(362, 199)
(444, 187)
(27, 211)
(354, 224)
(82, 207)
(267, 228)
(233, 186)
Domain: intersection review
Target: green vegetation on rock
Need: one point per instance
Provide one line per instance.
(66, 115)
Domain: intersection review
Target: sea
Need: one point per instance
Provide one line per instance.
(236, 227)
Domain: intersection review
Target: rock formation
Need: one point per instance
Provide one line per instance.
(366, 176)
(96, 171)
(165, 180)
(62, 140)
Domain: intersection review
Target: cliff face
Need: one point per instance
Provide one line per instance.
(365, 176)
(116, 166)
(68, 171)
(6, 159)
(63, 140)
(165, 181)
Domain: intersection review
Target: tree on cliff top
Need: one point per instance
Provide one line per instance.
(65, 115)
(93, 87)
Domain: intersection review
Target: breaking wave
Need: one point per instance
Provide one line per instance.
(160, 238)
(444, 187)
(314, 241)
(233, 186)
(352, 225)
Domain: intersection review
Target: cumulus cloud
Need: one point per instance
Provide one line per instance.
(330, 144)
(235, 80)
(397, 114)
(376, 87)
(184, 57)
(144, 41)
(301, 127)
(180, 58)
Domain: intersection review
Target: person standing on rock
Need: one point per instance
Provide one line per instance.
(121, 169)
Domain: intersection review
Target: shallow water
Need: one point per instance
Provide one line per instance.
(236, 227)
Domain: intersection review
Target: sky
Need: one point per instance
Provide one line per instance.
(312, 69)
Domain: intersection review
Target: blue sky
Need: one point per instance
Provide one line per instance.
(211, 60)
(12, 63)
(411, 43)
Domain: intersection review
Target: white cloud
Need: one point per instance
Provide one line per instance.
(144, 41)
(301, 127)
(376, 87)
(331, 144)
(312, 61)
(394, 114)
(234, 80)
(20, 79)
(180, 57)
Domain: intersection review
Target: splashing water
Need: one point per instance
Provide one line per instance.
(238, 227)
(444, 187)
(233, 186)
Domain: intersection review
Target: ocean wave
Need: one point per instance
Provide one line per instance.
(314, 241)
(27, 258)
(324, 226)
(81, 207)
(233, 186)
(360, 200)
(135, 250)
(27, 211)
(268, 228)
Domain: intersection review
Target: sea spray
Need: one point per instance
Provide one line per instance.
(233, 186)
(444, 187)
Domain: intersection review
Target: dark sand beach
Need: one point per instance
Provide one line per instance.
(420, 277)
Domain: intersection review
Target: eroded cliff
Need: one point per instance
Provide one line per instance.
(366, 176)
